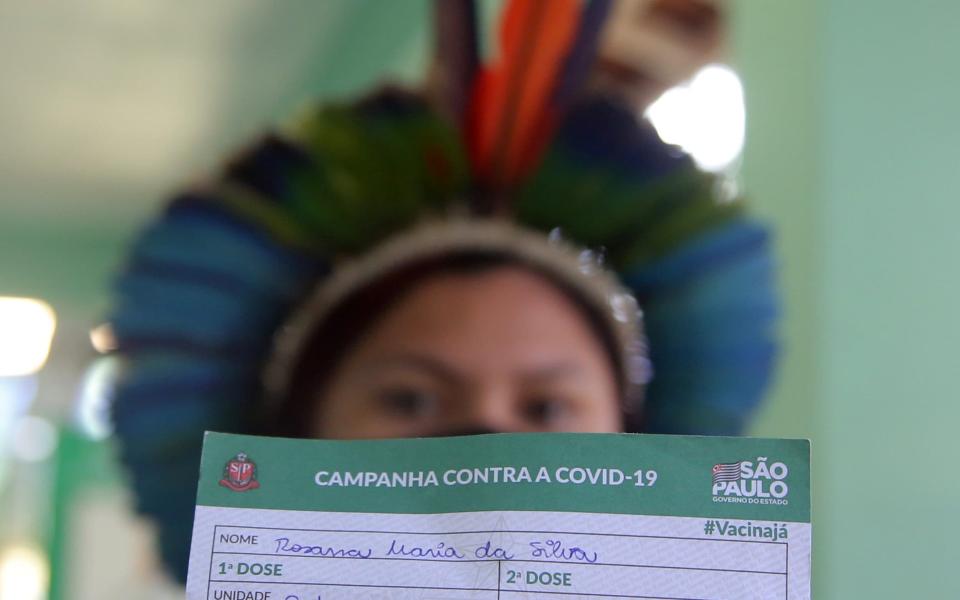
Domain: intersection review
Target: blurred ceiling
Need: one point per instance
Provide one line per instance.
(106, 105)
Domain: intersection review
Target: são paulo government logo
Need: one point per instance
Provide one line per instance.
(240, 474)
(751, 482)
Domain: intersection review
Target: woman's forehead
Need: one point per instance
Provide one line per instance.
(505, 316)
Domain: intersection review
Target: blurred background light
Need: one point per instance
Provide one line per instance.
(16, 395)
(24, 573)
(34, 439)
(26, 330)
(93, 401)
(705, 116)
(102, 338)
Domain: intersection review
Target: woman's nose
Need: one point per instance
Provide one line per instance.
(489, 410)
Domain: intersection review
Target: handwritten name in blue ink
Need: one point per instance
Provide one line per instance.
(286, 546)
(447, 551)
(441, 550)
(488, 550)
(557, 550)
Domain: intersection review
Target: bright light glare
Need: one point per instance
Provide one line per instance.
(26, 330)
(34, 439)
(16, 394)
(93, 402)
(705, 116)
(24, 573)
(102, 338)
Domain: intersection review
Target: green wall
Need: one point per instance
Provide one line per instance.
(852, 152)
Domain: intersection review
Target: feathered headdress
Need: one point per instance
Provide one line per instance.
(209, 283)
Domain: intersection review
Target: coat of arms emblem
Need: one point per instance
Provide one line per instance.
(240, 474)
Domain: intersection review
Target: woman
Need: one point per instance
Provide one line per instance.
(460, 326)
(383, 268)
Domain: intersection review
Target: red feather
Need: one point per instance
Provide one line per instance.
(510, 119)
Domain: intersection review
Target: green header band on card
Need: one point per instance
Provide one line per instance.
(684, 476)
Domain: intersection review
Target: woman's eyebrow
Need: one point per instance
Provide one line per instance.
(557, 370)
(429, 364)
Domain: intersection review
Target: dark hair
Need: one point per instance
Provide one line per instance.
(359, 312)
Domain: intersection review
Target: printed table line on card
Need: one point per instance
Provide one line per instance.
(516, 560)
(441, 589)
(475, 532)
(774, 564)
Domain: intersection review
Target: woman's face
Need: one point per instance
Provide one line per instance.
(500, 350)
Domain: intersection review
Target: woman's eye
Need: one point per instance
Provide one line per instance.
(407, 402)
(545, 410)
